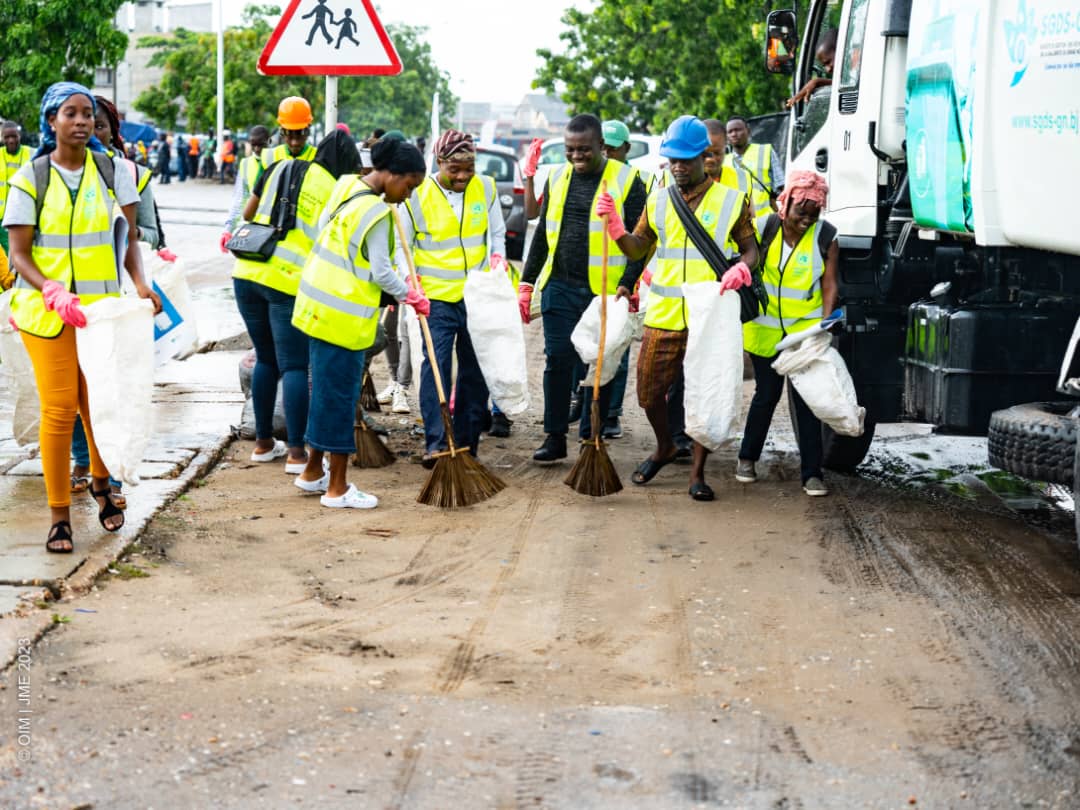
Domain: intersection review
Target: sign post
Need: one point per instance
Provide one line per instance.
(324, 38)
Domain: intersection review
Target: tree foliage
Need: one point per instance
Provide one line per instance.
(45, 41)
(647, 63)
(188, 88)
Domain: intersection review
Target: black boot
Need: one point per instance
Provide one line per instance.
(500, 426)
(575, 407)
(553, 449)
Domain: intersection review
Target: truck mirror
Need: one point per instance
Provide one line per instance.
(780, 42)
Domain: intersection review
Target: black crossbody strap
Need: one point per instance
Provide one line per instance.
(698, 235)
(355, 196)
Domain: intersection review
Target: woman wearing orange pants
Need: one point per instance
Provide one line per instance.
(63, 251)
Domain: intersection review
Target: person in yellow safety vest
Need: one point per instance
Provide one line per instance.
(66, 259)
(337, 307)
(759, 161)
(265, 292)
(564, 263)
(13, 155)
(800, 275)
(246, 176)
(294, 117)
(715, 167)
(455, 227)
(725, 215)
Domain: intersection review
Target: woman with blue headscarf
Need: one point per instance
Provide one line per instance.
(64, 255)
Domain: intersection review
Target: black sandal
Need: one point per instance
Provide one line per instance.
(702, 492)
(60, 533)
(646, 471)
(108, 509)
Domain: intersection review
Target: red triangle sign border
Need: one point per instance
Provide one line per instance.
(392, 69)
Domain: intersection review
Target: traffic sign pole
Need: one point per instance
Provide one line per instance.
(331, 103)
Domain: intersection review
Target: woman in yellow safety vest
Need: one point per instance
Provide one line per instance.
(66, 258)
(337, 306)
(266, 292)
(800, 276)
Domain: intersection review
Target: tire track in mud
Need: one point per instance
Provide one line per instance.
(410, 759)
(456, 667)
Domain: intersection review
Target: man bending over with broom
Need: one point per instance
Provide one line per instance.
(454, 226)
(565, 261)
(725, 215)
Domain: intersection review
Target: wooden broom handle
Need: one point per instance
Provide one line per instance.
(603, 299)
(423, 321)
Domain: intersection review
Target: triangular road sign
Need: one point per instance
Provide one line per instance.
(325, 38)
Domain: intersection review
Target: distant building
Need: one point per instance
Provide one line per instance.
(540, 115)
(138, 19)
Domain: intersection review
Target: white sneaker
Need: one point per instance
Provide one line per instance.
(279, 450)
(815, 487)
(388, 393)
(297, 467)
(321, 485)
(352, 499)
(400, 401)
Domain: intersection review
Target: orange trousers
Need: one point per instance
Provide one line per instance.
(62, 391)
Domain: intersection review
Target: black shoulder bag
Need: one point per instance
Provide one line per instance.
(256, 242)
(753, 298)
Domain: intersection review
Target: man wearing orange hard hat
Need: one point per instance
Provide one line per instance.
(294, 117)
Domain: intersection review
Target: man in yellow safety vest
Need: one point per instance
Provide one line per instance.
(759, 161)
(13, 155)
(246, 176)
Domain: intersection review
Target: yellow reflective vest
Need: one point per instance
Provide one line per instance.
(619, 177)
(338, 300)
(282, 270)
(281, 152)
(72, 245)
(12, 164)
(678, 261)
(757, 161)
(446, 249)
(794, 288)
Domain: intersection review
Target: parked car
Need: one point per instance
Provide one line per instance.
(500, 163)
(644, 154)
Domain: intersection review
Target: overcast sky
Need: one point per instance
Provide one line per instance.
(488, 48)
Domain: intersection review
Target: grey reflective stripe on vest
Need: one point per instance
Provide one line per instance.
(726, 212)
(311, 231)
(286, 253)
(270, 192)
(661, 219)
(109, 287)
(22, 284)
(623, 177)
(614, 260)
(450, 244)
(439, 272)
(328, 256)
(361, 228)
(761, 156)
(61, 241)
(417, 210)
(789, 295)
(665, 291)
(332, 301)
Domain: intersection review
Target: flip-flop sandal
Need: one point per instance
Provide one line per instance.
(702, 492)
(646, 471)
(80, 483)
(60, 541)
(109, 510)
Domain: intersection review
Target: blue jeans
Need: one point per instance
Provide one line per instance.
(281, 352)
(336, 374)
(448, 323)
(618, 386)
(81, 450)
(561, 306)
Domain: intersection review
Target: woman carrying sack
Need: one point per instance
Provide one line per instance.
(266, 291)
(801, 256)
(62, 244)
(337, 306)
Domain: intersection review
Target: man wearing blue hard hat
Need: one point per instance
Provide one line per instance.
(725, 216)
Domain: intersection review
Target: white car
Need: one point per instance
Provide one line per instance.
(644, 154)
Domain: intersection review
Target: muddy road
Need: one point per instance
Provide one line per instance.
(876, 648)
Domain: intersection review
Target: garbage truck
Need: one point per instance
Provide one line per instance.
(949, 133)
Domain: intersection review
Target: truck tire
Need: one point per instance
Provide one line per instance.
(838, 453)
(1076, 493)
(1036, 440)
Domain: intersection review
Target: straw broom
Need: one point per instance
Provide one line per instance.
(369, 398)
(370, 450)
(593, 473)
(457, 479)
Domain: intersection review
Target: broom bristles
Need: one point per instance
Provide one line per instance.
(594, 473)
(459, 480)
(370, 450)
(369, 397)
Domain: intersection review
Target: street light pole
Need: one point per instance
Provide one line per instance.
(220, 78)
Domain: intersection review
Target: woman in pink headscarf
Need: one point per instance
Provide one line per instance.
(800, 259)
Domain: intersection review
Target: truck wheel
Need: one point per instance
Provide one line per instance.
(838, 453)
(1076, 493)
(1036, 440)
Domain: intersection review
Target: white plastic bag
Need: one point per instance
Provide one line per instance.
(498, 338)
(19, 373)
(586, 338)
(116, 355)
(818, 373)
(175, 332)
(713, 366)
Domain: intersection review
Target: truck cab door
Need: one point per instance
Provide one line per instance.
(808, 146)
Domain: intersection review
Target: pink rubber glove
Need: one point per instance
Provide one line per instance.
(225, 237)
(646, 277)
(635, 302)
(737, 276)
(532, 158)
(14, 325)
(605, 204)
(167, 255)
(63, 303)
(525, 292)
(419, 302)
(497, 262)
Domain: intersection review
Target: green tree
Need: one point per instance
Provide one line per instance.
(648, 62)
(45, 41)
(188, 88)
